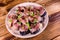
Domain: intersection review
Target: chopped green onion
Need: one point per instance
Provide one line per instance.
(19, 22)
(28, 25)
(10, 20)
(19, 16)
(16, 10)
(31, 13)
(35, 20)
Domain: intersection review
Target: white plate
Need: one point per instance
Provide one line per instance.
(27, 36)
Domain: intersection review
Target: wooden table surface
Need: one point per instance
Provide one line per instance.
(52, 32)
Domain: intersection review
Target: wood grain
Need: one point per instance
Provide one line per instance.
(52, 32)
(57, 38)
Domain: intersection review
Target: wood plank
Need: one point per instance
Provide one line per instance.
(57, 38)
(52, 30)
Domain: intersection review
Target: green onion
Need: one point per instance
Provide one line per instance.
(28, 25)
(10, 20)
(19, 16)
(19, 22)
(35, 20)
(16, 10)
(31, 13)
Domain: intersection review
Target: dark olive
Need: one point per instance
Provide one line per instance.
(25, 32)
(43, 14)
(36, 31)
(22, 10)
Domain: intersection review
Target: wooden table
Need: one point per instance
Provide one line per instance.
(52, 32)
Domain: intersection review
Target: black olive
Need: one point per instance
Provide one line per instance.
(43, 18)
(44, 14)
(18, 14)
(28, 9)
(25, 32)
(23, 17)
(38, 10)
(22, 10)
(36, 31)
(21, 24)
(41, 21)
(29, 23)
(17, 20)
